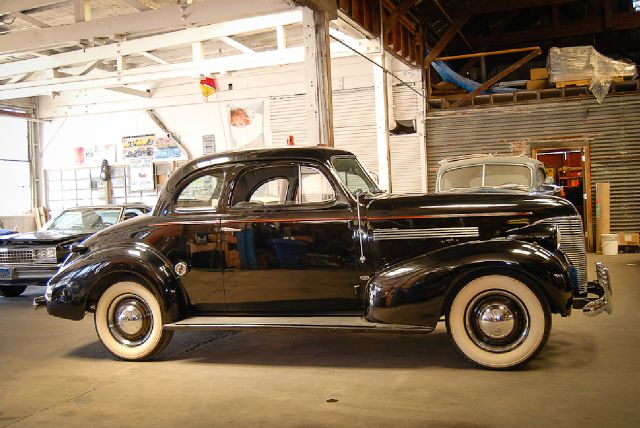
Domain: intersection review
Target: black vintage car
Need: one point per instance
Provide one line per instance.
(302, 238)
(32, 258)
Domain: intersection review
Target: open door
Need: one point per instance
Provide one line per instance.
(570, 168)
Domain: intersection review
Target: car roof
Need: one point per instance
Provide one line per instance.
(479, 160)
(113, 206)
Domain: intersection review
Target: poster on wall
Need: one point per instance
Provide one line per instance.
(166, 148)
(142, 177)
(246, 121)
(137, 146)
(208, 144)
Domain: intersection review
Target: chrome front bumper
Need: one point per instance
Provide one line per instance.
(592, 306)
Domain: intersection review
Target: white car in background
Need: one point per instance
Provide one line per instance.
(487, 172)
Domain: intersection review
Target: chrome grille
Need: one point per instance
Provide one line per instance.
(572, 245)
(16, 255)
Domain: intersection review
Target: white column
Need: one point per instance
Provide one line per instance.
(318, 76)
(382, 123)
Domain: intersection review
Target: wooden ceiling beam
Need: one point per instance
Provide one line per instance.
(596, 24)
(445, 39)
(400, 11)
(492, 6)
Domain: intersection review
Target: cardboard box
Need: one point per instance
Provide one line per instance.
(629, 238)
(537, 84)
(539, 73)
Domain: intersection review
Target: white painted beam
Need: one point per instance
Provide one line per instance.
(281, 37)
(130, 91)
(89, 68)
(154, 58)
(31, 20)
(151, 73)
(11, 6)
(146, 44)
(163, 19)
(237, 45)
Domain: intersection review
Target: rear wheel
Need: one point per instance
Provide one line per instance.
(128, 321)
(498, 322)
(11, 291)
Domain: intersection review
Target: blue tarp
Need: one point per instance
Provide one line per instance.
(448, 75)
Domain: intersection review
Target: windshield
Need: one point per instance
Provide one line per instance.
(353, 175)
(88, 220)
(489, 175)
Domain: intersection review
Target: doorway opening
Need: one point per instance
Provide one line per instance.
(570, 168)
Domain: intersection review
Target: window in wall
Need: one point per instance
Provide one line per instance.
(15, 181)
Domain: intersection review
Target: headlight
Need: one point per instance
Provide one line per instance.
(46, 255)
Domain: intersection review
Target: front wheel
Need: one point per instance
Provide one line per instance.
(11, 291)
(498, 322)
(128, 321)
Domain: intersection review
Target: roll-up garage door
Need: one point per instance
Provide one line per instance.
(408, 169)
(289, 117)
(611, 129)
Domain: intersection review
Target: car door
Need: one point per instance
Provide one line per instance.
(288, 241)
(190, 235)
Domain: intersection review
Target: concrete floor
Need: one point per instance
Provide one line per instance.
(54, 372)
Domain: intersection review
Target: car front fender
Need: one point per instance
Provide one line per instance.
(80, 283)
(415, 292)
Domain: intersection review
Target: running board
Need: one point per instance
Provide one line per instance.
(351, 323)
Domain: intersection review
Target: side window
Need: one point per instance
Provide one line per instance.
(283, 185)
(314, 187)
(273, 192)
(201, 193)
(542, 175)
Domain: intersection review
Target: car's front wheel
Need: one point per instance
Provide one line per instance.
(11, 291)
(498, 322)
(128, 321)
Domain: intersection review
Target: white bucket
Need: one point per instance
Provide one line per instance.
(609, 244)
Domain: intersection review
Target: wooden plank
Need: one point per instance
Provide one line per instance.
(583, 82)
(399, 12)
(486, 85)
(445, 39)
(483, 54)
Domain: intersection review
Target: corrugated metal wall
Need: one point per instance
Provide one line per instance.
(611, 129)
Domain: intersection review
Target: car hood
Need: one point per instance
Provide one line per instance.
(451, 204)
(42, 237)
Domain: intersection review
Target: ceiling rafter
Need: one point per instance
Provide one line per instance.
(143, 75)
(164, 19)
(237, 45)
(31, 20)
(12, 6)
(146, 44)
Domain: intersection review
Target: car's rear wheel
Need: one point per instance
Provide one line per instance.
(11, 291)
(128, 321)
(498, 322)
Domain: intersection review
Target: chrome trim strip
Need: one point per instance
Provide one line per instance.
(436, 232)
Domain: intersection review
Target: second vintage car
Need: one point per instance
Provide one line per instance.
(32, 258)
(302, 238)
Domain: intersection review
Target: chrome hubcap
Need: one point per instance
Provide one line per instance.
(497, 321)
(130, 320)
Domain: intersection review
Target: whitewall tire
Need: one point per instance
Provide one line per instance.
(498, 322)
(128, 321)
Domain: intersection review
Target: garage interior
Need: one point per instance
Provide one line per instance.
(404, 85)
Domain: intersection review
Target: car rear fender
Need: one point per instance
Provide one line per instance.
(416, 291)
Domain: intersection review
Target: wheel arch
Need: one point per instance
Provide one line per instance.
(77, 288)
(426, 284)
